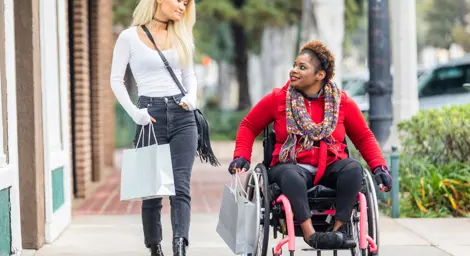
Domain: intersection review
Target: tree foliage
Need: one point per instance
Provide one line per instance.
(443, 18)
(253, 16)
(229, 29)
(355, 26)
(122, 11)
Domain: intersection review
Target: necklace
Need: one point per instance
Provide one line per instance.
(161, 21)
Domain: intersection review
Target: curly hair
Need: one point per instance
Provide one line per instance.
(323, 55)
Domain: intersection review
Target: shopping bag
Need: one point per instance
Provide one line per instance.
(237, 219)
(147, 172)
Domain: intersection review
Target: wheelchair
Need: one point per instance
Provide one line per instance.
(274, 211)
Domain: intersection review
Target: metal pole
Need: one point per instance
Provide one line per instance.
(395, 164)
(380, 84)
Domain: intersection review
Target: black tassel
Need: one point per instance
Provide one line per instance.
(204, 149)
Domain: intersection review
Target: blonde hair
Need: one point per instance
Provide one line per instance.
(180, 34)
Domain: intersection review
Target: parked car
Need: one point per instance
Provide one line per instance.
(444, 85)
(440, 86)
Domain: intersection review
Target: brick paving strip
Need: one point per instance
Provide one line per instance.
(207, 186)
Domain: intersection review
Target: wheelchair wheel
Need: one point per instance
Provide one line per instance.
(354, 230)
(372, 217)
(257, 189)
(373, 213)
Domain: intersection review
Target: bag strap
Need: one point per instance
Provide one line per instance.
(165, 61)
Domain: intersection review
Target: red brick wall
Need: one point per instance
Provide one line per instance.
(103, 38)
(93, 125)
(101, 50)
(81, 94)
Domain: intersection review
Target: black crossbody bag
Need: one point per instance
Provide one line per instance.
(204, 149)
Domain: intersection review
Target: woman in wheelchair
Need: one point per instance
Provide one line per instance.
(311, 117)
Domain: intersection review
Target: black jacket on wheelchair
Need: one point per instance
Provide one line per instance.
(269, 140)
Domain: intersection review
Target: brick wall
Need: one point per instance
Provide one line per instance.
(81, 98)
(110, 142)
(92, 105)
(101, 51)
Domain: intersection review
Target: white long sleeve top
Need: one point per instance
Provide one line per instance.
(151, 75)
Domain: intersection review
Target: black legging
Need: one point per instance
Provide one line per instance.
(343, 175)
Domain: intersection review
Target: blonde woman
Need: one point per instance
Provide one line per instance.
(170, 23)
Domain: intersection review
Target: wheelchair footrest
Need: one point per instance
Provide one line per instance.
(324, 250)
(344, 247)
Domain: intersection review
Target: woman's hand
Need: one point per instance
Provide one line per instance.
(188, 102)
(142, 117)
(184, 105)
(383, 178)
(238, 165)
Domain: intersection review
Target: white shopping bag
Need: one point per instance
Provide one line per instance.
(147, 172)
(237, 219)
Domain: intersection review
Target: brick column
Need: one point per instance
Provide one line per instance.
(30, 126)
(110, 142)
(80, 73)
(101, 50)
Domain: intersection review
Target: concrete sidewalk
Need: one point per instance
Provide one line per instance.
(108, 231)
(122, 235)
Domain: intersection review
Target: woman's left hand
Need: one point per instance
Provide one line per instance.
(383, 178)
(183, 105)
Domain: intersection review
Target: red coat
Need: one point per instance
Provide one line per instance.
(272, 108)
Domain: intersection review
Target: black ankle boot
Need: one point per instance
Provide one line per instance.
(156, 250)
(179, 246)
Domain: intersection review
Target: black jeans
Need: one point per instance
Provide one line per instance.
(344, 175)
(176, 126)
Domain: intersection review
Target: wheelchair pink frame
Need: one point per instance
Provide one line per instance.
(364, 238)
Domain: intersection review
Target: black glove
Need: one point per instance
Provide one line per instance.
(238, 164)
(383, 178)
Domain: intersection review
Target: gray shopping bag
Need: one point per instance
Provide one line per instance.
(237, 221)
(147, 172)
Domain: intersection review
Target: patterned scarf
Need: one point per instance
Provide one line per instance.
(300, 124)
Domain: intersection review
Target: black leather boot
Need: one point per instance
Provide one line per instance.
(156, 250)
(179, 246)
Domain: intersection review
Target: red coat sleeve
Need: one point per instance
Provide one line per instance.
(361, 136)
(260, 116)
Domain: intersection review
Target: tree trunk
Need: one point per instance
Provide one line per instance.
(241, 65)
(223, 87)
(324, 20)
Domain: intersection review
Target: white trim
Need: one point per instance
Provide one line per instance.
(3, 158)
(64, 95)
(59, 223)
(47, 174)
(6, 179)
(55, 223)
(58, 160)
(12, 124)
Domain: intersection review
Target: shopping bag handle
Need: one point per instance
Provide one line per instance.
(142, 133)
(237, 186)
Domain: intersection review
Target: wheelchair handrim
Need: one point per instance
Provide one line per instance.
(261, 244)
(373, 205)
(253, 178)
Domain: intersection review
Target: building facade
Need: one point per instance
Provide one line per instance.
(57, 114)
(10, 227)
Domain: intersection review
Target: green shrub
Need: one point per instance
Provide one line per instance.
(434, 190)
(124, 128)
(438, 135)
(224, 124)
(435, 163)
